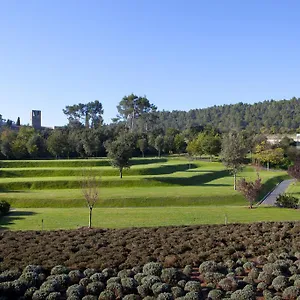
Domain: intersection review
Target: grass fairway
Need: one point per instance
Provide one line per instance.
(153, 192)
(70, 218)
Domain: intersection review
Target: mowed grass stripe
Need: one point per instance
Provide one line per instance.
(70, 218)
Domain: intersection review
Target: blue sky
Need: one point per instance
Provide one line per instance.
(181, 54)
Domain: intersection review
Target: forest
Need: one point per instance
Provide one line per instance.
(146, 131)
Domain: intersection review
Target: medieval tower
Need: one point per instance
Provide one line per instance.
(36, 119)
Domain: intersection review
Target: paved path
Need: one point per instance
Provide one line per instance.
(280, 189)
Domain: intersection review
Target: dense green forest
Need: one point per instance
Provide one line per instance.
(264, 117)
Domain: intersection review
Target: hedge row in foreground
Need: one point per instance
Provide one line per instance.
(272, 277)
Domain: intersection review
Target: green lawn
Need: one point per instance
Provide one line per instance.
(67, 218)
(153, 192)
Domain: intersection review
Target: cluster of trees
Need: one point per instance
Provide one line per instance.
(140, 128)
(268, 117)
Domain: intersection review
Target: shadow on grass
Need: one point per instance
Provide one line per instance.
(167, 169)
(145, 161)
(12, 216)
(196, 180)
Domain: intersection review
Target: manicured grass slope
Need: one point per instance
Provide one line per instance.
(149, 182)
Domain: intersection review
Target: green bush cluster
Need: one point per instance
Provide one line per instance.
(287, 201)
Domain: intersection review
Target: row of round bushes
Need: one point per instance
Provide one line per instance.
(273, 277)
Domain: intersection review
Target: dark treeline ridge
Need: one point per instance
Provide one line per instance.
(269, 117)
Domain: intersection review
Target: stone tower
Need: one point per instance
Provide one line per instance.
(36, 119)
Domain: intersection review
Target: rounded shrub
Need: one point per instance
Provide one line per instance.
(75, 276)
(129, 285)
(152, 268)
(126, 273)
(280, 283)
(213, 277)
(95, 288)
(116, 288)
(160, 287)
(89, 272)
(107, 295)
(85, 281)
(144, 291)
(54, 296)
(76, 290)
(170, 275)
(39, 295)
(109, 272)
(149, 280)
(177, 291)
(290, 293)
(208, 266)
(59, 270)
(192, 296)
(98, 277)
(165, 296)
(113, 280)
(215, 294)
(192, 286)
(228, 284)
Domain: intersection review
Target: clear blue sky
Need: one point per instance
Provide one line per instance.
(180, 54)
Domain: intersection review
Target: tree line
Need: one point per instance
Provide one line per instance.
(142, 129)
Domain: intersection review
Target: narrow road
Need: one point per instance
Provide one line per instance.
(280, 189)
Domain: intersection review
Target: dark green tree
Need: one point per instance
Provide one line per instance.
(119, 153)
(89, 114)
(142, 145)
(133, 107)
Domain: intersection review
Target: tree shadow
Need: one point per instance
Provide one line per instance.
(196, 180)
(167, 169)
(12, 216)
(146, 161)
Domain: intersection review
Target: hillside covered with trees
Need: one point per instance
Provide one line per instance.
(263, 117)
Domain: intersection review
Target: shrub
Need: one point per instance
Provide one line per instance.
(170, 275)
(192, 286)
(85, 281)
(59, 270)
(177, 291)
(192, 296)
(75, 276)
(152, 268)
(158, 288)
(89, 272)
(116, 288)
(149, 280)
(290, 293)
(126, 273)
(113, 280)
(165, 296)
(280, 283)
(75, 290)
(107, 295)
(39, 295)
(213, 277)
(90, 297)
(208, 266)
(215, 295)
(129, 285)
(228, 284)
(287, 201)
(95, 288)
(9, 275)
(98, 277)
(54, 296)
(4, 207)
(188, 270)
(109, 272)
(143, 290)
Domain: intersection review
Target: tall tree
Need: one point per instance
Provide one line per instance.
(233, 153)
(89, 114)
(119, 153)
(133, 107)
